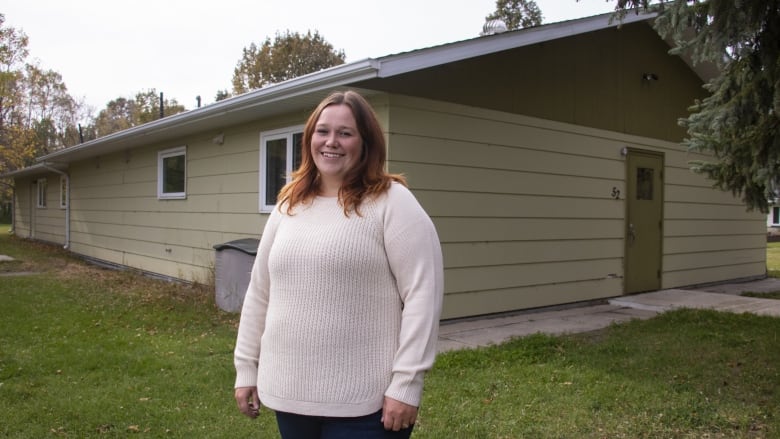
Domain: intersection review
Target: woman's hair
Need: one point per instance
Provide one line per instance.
(367, 178)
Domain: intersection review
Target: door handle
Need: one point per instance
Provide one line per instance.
(631, 234)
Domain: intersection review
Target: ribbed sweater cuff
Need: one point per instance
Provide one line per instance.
(246, 377)
(405, 390)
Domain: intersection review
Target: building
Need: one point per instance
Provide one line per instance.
(549, 159)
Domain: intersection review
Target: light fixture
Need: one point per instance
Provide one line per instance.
(649, 77)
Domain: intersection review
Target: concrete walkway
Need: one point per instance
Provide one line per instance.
(472, 333)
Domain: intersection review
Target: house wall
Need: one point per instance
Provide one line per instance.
(41, 223)
(525, 210)
(22, 204)
(709, 235)
(116, 216)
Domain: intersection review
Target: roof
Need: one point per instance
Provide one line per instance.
(306, 91)
(36, 169)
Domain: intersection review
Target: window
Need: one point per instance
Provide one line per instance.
(776, 216)
(41, 187)
(172, 173)
(280, 154)
(644, 184)
(63, 192)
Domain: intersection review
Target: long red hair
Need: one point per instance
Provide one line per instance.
(368, 178)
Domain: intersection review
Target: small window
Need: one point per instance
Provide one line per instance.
(776, 216)
(280, 154)
(172, 173)
(644, 184)
(41, 197)
(63, 192)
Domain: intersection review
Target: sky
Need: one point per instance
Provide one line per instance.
(105, 49)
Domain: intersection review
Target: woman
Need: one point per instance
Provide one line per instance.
(340, 320)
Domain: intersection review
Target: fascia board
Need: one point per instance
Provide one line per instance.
(421, 59)
(37, 169)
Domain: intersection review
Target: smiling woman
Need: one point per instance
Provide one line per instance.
(336, 146)
(346, 290)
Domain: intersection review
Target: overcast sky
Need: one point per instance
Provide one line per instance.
(105, 49)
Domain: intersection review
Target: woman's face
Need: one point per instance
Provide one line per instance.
(336, 146)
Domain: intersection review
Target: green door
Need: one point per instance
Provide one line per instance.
(644, 221)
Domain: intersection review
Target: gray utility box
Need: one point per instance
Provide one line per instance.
(233, 269)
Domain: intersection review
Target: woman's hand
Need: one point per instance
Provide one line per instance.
(396, 415)
(248, 401)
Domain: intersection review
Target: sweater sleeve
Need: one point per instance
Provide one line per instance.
(415, 258)
(253, 312)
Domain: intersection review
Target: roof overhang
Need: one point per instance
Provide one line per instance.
(37, 169)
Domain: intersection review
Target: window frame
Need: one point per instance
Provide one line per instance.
(41, 193)
(161, 156)
(64, 195)
(288, 134)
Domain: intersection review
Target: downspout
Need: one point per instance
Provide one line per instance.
(13, 206)
(67, 203)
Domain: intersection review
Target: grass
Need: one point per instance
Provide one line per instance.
(773, 258)
(684, 374)
(87, 352)
(773, 270)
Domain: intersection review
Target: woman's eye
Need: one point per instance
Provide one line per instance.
(345, 133)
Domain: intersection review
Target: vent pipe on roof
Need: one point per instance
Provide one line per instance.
(162, 111)
(492, 27)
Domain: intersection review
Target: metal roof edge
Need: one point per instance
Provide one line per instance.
(36, 169)
(433, 56)
(331, 77)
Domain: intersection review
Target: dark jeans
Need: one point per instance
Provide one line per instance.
(293, 426)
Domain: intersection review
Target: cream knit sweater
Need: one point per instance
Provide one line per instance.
(341, 311)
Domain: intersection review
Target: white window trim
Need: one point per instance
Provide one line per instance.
(772, 216)
(64, 195)
(266, 136)
(40, 188)
(161, 156)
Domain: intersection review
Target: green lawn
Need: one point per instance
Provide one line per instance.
(773, 259)
(772, 270)
(87, 352)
